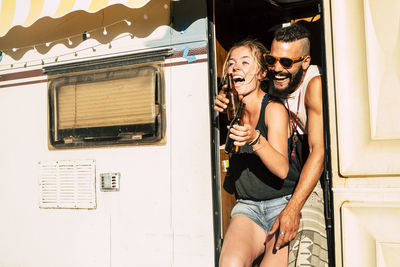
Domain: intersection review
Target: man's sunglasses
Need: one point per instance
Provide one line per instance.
(286, 62)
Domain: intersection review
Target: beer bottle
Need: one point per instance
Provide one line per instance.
(233, 97)
(238, 119)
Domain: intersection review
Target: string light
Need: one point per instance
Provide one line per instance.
(75, 53)
(84, 36)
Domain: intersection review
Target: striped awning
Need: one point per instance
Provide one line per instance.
(27, 12)
(42, 24)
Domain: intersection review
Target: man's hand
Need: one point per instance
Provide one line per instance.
(288, 224)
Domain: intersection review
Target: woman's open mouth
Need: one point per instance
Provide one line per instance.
(237, 80)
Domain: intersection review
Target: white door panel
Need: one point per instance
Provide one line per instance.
(363, 87)
(366, 46)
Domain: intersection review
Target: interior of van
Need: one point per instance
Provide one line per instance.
(239, 19)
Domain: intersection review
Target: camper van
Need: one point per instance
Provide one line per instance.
(111, 149)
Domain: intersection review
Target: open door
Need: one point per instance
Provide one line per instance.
(238, 19)
(363, 74)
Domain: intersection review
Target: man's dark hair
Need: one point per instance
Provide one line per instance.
(292, 33)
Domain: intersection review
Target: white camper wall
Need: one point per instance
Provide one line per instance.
(162, 215)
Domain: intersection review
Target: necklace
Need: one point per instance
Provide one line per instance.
(294, 124)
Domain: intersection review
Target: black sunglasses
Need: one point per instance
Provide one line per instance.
(286, 62)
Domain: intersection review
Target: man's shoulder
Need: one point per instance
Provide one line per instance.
(313, 76)
(312, 80)
(313, 71)
(314, 91)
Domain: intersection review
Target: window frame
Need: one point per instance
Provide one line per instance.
(61, 74)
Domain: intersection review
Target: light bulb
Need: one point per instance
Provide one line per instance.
(128, 22)
(69, 42)
(105, 31)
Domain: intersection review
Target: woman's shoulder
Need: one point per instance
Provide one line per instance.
(275, 109)
(270, 98)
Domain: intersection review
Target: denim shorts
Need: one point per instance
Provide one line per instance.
(263, 213)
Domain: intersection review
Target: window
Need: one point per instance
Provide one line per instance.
(105, 103)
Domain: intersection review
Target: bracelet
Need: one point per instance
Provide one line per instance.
(255, 139)
(259, 145)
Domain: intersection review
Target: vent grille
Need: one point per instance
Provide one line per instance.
(67, 184)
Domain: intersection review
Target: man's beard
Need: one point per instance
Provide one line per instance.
(290, 88)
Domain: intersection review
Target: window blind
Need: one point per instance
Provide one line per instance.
(107, 103)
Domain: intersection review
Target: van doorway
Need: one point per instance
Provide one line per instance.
(238, 19)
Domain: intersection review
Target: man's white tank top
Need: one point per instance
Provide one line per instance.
(293, 100)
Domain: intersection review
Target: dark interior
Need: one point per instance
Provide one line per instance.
(238, 19)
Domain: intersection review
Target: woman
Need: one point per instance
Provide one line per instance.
(260, 167)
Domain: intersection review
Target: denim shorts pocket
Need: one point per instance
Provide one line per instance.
(287, 198)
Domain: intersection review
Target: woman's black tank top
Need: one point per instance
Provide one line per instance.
(251, 177)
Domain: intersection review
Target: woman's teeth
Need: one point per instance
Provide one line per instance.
(238, 79)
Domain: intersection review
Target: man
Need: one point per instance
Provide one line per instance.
(292, 78)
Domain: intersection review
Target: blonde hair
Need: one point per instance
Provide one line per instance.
(257, 51)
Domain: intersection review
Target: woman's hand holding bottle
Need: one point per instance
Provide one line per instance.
(243, 134)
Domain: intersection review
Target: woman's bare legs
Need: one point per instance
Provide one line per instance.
(272, 257)
(243, 243)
